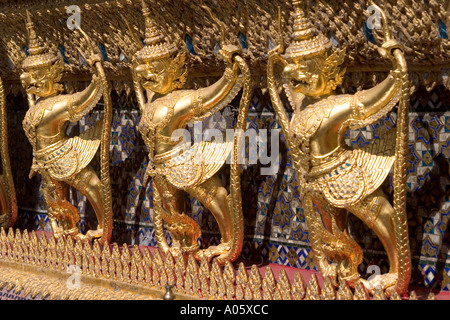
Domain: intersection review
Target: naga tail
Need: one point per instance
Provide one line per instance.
(400, 188)
(104, 148)
(8, 218)
(235, 197)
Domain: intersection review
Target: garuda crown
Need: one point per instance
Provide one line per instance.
(38, 55)
(156, 45)
(306, 41)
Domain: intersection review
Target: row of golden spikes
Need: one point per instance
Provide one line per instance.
(155, 270)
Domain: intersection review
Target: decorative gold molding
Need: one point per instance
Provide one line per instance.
(36, 265)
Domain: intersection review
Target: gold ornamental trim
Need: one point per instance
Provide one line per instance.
(37, 265)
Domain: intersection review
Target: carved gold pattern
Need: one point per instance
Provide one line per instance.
(37, 265)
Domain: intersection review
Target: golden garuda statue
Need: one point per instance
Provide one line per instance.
(8, 202)
(64, 161)
(175, 165)
(333, 178)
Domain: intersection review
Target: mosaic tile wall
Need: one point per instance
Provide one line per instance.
(275, 227)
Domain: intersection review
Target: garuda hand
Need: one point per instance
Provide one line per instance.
(228, 52)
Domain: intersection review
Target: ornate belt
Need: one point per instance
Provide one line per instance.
(324, 164)
(52, 153)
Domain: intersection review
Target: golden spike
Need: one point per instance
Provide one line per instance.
(188, 283)
(413, 295)
(134, 273)
(105, 265)
(192, 270)
(379, 294)
(228, 271)
(230, 288)
(148, 257)
(32, 253)
(34, 237)
(221, 290)
(204, 268)
(114, 268)
(69, 244)
(431, 296)
(394, 296)
(269, 280)
(360, 292)
(10, 234)
(10, 286)
(148, 274)
(61, 254)
(87, 246)
(344, 292)
(269, 276)
(170, 268)
(277, 295)
(18, 288)
(40, 251)
(27, 289)
(241, 277)
(3, 245)
(196, 285)
(10, 242)
(180, 269)
(284, 285)
(313, 289)
(125, 274)
(3, 249)
(78, 251)
(239, 292)
(267, 294)
(96, 250)
(215, 269)
(53, 256)
(137, 255)
(97, 266)
(115, 251)
(213, 288)
(18, 236)
(155, 274)
(157, 258)
(16, 246)
(118, 268)
(204, 275)
(106, 249)
(3, 283)
(34, 292)
(126, 255)
(52, 241)
(92, 265)
(192, 266)
(163, 278)
(248, 293)
(108, 268)
(140, 273)
(255, 282)
(65, 261)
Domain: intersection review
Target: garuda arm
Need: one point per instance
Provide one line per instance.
(374, 103)
(206, 101)
(83, 102)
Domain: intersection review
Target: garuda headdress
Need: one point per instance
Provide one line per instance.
(156, 46)
(38, 55)
(306, 41)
